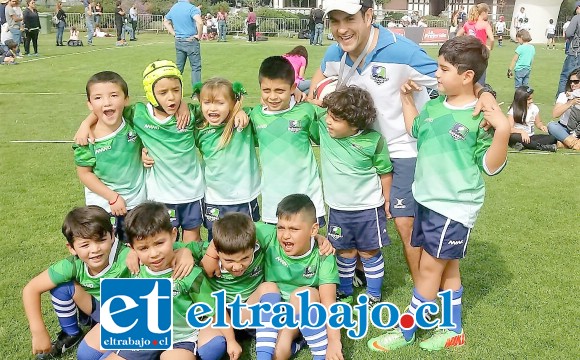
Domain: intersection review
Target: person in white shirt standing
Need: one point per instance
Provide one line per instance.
(133, 17)
(551, 34)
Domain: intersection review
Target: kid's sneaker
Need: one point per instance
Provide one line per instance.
(373, 301)
(443, 339)
(65, 342)
(342, 297)
(391, 340)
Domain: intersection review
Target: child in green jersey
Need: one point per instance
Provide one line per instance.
(453, 151)
(357, 176)
(230, 164)
(152, 236)
(283, 129)
(295, 264)
(110, 167)
(176, 179)
(75, 281)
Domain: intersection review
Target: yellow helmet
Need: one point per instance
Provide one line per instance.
(155, 71)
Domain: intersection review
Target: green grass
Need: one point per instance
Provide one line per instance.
(521, 273)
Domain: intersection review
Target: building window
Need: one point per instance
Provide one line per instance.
(301, 3)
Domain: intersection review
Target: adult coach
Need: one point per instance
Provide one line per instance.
(184, 22)
(389, 62)
(572, 61)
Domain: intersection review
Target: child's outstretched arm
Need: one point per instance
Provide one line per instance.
(496, 155)
(31, 299)
(84, 134)
(327, 298)
(93, 183)
(409, 108)
(510, 72)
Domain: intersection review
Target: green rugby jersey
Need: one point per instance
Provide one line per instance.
(73, 269)
(176, 177)
(193, 288)
(292, 272)
(451, 156)
(286, 157)
(245, 284)
(351, 167)
(116, 161)
(232, 175)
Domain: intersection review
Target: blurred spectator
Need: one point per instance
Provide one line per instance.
(222, 18)
(89, 21)
(98, 12)
(251, 21)
(311, 25)
(134, 19)
(422, 22)
(73, 39)
(14, 19)
(318, 25)
(298, 57)
(3, 12)
(119, 24)
(31, 27)
(8, 52)
(128, 29)
(61, 16)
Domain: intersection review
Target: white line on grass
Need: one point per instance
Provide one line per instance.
(41, 141)
(87, 52)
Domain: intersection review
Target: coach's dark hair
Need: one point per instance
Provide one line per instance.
(353, 105)
(466, 53)
(88, 222)
(277, 67)
(233, 233)
(147, 219)
(107, 77)
(294, 204)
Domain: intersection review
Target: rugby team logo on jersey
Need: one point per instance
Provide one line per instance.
(459, 131)
(256, 272)
(212, 213)
(294, 126)
(172, 215)
(131, 136)
(335, 232)
(309, 272)
(379, 74)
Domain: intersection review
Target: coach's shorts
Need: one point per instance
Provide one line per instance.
(362, 230)
(215, 212)
(402, 200)
(191, 346)
(119, 227)
(438, 235)
(188, 216)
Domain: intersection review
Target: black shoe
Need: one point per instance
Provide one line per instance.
(64, 342)
(132, 39)
(518, 146)
(359, 280)
(550, 147)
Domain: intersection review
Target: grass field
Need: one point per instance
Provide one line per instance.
(521, 273)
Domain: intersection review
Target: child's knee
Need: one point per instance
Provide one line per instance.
(313, 293)
(86, 352)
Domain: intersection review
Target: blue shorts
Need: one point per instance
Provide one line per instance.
(188, 216)
(155, 354)
(438, 235)
(362, 230)
(119, 227)
(215, 212)
(402, 200)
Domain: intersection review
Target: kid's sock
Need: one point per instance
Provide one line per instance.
(316, 339)
(266, 336)
(346, 267)
(457, 307)
(65, 307)
(374, 271)
(416, 300)
(85, 352)
(213, 349)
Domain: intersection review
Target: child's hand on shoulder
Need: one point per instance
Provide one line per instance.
(118, 206)
(495, 117)
(132, 262)
(182, 263)
(325, 248)
(408, 88)
(183, 116)
(241, 120)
